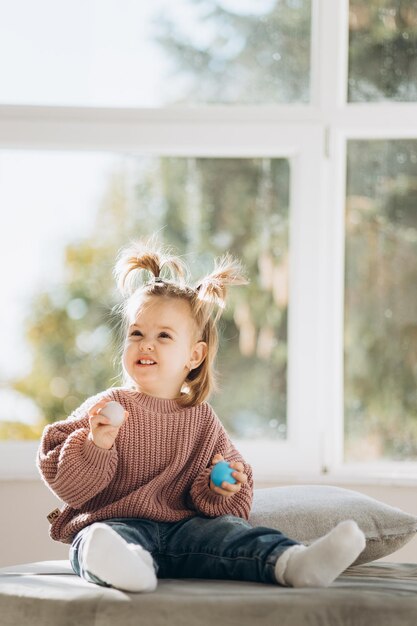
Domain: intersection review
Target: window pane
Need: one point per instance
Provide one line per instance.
(381, 301)
(59, 340)
(128, 53)
(383, 50)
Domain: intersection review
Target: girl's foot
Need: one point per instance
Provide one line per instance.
(120, 564)
(324, 560)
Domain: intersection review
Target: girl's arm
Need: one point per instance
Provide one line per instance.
(73, 467)
(212, 504)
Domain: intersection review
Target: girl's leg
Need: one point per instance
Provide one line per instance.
(228, 547)
(113, 553)
(225, 547)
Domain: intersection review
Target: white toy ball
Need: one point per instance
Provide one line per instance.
(115, 412)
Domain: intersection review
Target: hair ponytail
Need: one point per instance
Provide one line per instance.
(212, 289)
(141, 262)
(207, 306)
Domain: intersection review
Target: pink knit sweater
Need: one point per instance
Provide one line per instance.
(158, 467)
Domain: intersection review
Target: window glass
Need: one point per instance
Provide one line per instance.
(126, 53)
(381, 301)
(64, 227)
(382, 51)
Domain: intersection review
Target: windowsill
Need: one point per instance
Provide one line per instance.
(262, 482)
(347, 477)
(18, 462)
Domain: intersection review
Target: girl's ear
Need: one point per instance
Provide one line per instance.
(198, 354)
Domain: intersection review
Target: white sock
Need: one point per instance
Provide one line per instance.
(324, 560)
(120, 564)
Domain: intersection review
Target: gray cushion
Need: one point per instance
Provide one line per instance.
(307, 512)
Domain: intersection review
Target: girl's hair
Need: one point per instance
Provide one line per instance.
(145, 269)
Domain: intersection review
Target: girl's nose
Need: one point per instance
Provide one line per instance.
(147, 346)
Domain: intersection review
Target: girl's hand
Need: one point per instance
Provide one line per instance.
(228, 489)
(102, 433)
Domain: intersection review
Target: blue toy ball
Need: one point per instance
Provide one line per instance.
(222, 471)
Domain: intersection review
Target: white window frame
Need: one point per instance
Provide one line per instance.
(313, 137)
(303, 146)
(365, 122)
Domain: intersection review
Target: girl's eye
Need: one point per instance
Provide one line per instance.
(135, 333)
(165, 336)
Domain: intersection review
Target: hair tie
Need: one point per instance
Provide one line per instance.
(155, 280)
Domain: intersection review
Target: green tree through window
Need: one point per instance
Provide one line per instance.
(203, 207)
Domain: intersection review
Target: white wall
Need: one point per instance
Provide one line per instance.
(25, 504)
(23, 525)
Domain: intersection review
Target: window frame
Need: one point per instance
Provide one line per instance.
(301, 145)
(313, 137)
(365, 122)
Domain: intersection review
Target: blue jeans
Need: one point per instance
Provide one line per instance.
(225, 547)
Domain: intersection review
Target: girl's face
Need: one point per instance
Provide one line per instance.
(162, 346)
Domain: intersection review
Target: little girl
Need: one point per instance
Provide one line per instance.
(139, 500)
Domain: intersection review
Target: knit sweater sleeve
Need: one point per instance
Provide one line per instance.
(72, 466)
(212, 504)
